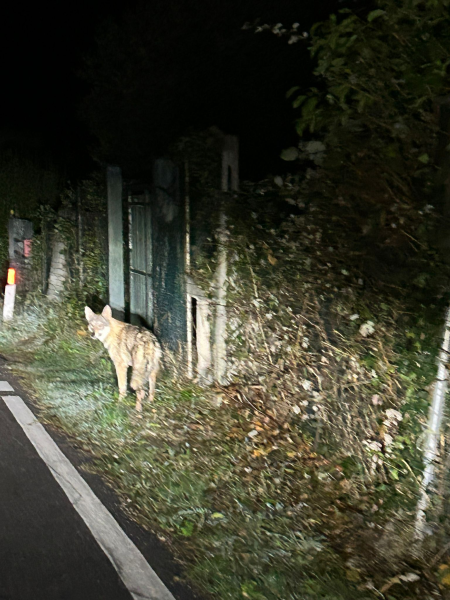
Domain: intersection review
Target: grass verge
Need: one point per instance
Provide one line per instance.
(248, 520)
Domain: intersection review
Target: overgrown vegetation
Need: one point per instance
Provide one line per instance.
(374, 129)
(300, 479)
(238, 488)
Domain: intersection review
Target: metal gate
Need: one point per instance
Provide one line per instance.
(169, 258)
(140, 258)
(155, 273)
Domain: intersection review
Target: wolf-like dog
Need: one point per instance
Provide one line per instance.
(128, 346)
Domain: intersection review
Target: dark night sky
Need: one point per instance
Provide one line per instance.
(42, 49)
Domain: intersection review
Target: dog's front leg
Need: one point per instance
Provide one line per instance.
(121, 371)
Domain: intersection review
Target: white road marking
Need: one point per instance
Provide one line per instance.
(135, 572)
(5, 387)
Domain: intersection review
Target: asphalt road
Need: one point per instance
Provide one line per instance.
(46, 550)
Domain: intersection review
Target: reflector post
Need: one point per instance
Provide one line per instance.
(8, 302)
(11, 280)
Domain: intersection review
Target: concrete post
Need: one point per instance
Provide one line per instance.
(115, 240)
(230, 182)
(58, 270)
(8, 302)
(203, 342)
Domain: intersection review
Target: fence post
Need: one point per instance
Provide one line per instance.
(230, 182)
(115, 240)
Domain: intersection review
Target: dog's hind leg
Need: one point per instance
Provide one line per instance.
(138, 377)
(151, 384)
(139, 397)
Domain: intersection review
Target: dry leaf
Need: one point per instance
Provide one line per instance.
(444, 574)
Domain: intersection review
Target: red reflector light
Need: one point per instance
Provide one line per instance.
(11, 277)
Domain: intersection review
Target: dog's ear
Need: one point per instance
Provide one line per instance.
(107, 312)
(89, 313)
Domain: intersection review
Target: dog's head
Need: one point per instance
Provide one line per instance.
(99, 325)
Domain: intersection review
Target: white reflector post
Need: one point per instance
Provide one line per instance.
(8, 304)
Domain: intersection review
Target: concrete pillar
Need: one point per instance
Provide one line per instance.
(58, 270)
(204, 358)
(115, 240)
(230, 182)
